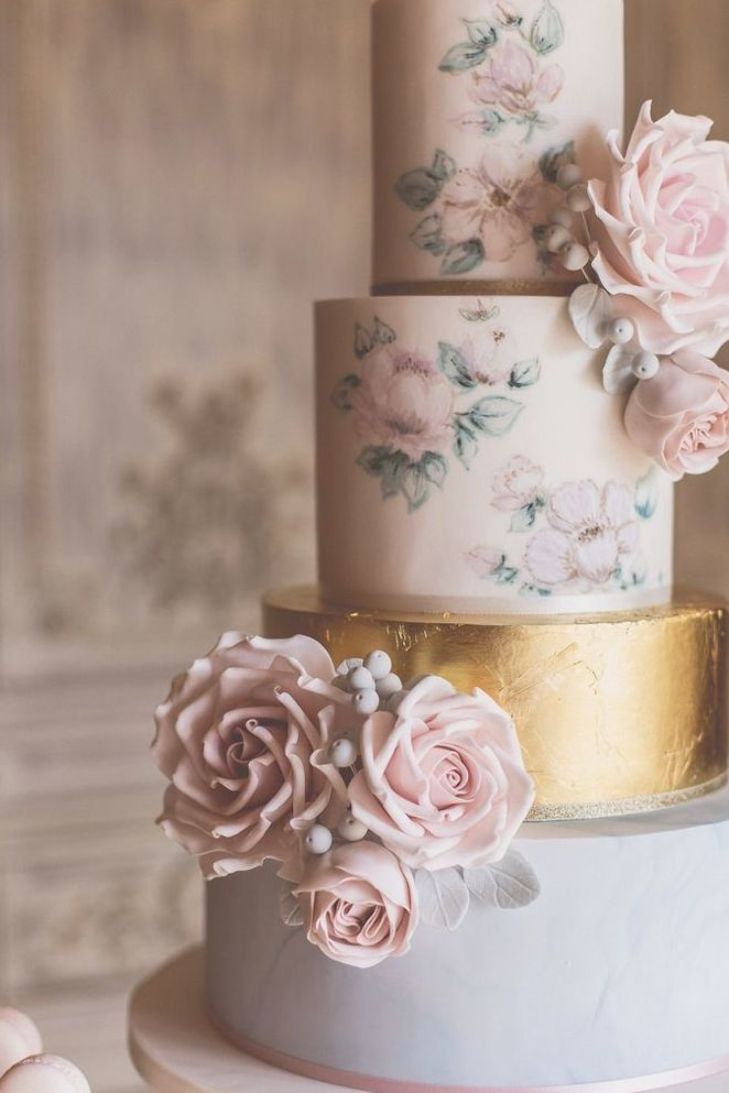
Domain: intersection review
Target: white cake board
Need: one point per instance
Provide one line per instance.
(176, 1050)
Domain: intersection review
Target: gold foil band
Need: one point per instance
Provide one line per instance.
(616, 713)
(476, 288)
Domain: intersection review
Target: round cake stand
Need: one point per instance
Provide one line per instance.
(176, 1050)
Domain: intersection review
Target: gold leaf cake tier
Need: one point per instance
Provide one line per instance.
(616, 713)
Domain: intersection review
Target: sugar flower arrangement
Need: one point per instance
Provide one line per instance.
(653, 242)
(384, 805)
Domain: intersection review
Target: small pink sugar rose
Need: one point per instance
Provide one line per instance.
(517, 484)
(359, 903)
(443, 781)
(243, 738)
(403, 402)
(681, 417)
(662, 233)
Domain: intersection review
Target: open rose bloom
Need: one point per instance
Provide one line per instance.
(251, 739)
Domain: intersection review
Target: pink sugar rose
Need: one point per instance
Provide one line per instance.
(663, 233)
(681, 417)
(403, 402)
(359, 903)
(243, 738)
(443, 782)
(517, 484)
(497, 202)
(591, 531)
(513, 81)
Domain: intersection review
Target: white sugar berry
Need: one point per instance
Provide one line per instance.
(574, 257)
(348, 664)
(343, 752)
(557, 238)
(568, 175)
(645, 365)
(578, 199)
(388, 686)
(318, 839)
(367, 701)
(621, 331)
(562, 216)
(360, 679)
(378, 664)
(351, 830)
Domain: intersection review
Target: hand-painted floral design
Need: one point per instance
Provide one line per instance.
(512, 87)
(485, 210)
(384, 805)
(408, 407)
(591, 541)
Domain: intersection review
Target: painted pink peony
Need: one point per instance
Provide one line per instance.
(491, 363)
(681, 417)
(442, 782)
(497, 202)
(403, 402)
(243, 738)
(591, 531)
(663, 233)
(514, 82)
(517, 484)
(359, 903)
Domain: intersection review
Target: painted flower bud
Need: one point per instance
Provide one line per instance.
(574, 257)
(569, 175)
(318, 839)
(578, 199)
(547, 33)
(645, 365)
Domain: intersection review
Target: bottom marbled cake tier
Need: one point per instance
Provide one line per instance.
(618, 973)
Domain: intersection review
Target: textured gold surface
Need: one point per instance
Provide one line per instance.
(475, 288)
(617, 712)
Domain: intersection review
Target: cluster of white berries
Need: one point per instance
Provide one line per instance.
(561, 239)
(644, 365)
(372, 683)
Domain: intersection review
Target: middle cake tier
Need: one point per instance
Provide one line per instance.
(470, 460)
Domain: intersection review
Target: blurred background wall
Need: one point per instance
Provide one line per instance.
(179, 179)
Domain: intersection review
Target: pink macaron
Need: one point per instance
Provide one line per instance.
(19, 1037)
(44, 1074)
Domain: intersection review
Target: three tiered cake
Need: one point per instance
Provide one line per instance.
(499, 429)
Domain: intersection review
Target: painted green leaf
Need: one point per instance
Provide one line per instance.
(362, 341)
(505, 574)
(454, 366)
(373, 459)
(383, 334)
(525, 373)
(482, 32)
(418, 188)
(342, 394)
(435, 468)
(554, 158)
(427, 235)
(524, 518)
(444, 166)
(547, 33)
(494, 415)
(484, 122)
(465, 444)
(647, 495)
(463, 258)
(463, 56)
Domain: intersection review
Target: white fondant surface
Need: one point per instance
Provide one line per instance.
(418, 107)
(454, 537)
(176, 1049)
(620, 969)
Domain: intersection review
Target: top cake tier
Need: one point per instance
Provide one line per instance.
(477, 106)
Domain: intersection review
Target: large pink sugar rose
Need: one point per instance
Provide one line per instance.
(359, 903)
(663, 233)
(403, 402)
(243, 738)
(443, 782)
(681, 416)
(498, 202)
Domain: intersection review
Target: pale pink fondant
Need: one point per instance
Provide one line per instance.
(243, 738)
(591, 531)
(663, 233)
(498, 202)
(513, 81)
(442, 782)
(403, 402)
(518, 484)
(681, 416)
(359, 903)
